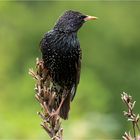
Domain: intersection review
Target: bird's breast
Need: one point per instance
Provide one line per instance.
(60, 56)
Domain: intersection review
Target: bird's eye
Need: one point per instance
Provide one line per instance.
(83, 16)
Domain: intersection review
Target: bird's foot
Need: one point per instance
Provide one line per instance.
(54, 114)
(57, 112)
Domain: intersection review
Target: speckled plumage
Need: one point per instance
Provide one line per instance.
(61, 54)
(61, 57)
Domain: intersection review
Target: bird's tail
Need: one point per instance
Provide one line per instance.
(64, 111)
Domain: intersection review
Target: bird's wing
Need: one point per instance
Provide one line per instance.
(46, 47)
(43, 45)
(78, 71)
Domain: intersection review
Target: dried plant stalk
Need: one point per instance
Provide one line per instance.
(131, 116)
(46, 95)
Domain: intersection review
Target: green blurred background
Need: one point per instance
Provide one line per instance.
(110, 65)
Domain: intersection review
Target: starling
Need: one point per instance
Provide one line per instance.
(61, 55)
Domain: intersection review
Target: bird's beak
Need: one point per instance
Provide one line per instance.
(90, 18)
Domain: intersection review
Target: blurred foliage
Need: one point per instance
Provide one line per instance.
(110, 65)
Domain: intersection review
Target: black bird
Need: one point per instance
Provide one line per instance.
(61, 54)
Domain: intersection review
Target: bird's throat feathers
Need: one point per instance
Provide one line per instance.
(72, 40)
(65, 39)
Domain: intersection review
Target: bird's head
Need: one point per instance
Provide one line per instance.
(71, 21)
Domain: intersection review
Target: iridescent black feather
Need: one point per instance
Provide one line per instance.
(61, 54)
